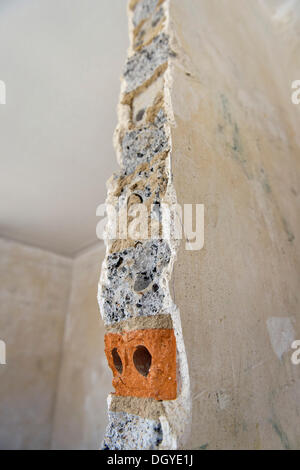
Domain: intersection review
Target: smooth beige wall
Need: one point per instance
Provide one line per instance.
(236, 148)
(34, 292)
(54, 386)
(85, 379)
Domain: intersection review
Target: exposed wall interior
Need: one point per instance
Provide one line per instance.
(198, 342)
(148, 410)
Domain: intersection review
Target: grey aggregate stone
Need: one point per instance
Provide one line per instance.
(130, 432)
(142, 144)
(142, 65)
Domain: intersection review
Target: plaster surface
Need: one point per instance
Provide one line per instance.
(236, 149)
(53, 387)
(34, 291)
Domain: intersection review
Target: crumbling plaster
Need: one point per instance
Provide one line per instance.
(135, 273)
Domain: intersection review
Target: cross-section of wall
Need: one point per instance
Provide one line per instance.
(206, 117)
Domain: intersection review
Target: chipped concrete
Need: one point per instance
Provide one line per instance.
(149, 29)
(131, 432)
(142, 65)
(134, 285)
(142, 144)
(143, 10)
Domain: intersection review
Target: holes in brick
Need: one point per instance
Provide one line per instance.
(142, 360)
(117, 360)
